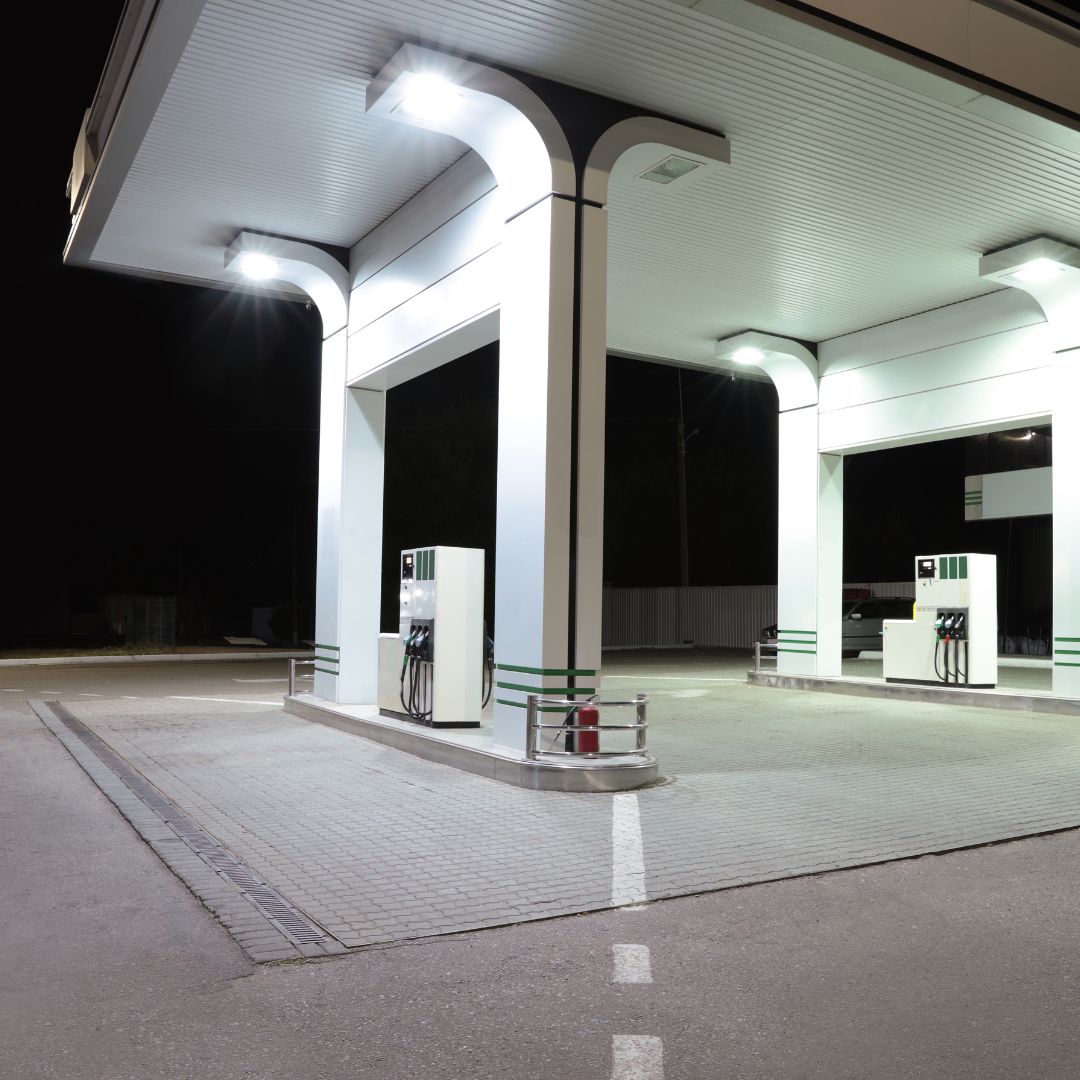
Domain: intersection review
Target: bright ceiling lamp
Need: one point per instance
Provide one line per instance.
(1043, 261)
(748, 354)
(258, 267)
(430, 98)
(1038, 272)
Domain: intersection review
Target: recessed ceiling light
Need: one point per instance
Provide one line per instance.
(1038, 272)
(747, 355)
(257, 266)
(671, 168)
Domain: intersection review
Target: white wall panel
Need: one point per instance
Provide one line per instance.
(467, 235)
(967, 409)
(984, 358)
(984, 316)
(466, 181)
(456, 301)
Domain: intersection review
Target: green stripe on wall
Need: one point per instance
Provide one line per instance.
(1067, 652)
(325, 671)
(1065, 663)
(811, 633)
(1067, 639)
(808, 652)
(329, 648)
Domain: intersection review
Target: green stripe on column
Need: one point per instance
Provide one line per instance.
(325, 671)
(328, 648)
(811, 633)
(544, 671)
(539, 708)
(1067, 639)
(544, 691)
(807, 652)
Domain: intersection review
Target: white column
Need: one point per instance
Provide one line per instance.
(592, 394)
(1066, 540)
(532, 536)
(1049, 270)
(348, 575)
(810, 542)
(809, 549)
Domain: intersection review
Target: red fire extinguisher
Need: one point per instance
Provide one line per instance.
(588, 742)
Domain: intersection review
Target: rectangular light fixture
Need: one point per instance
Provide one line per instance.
(671, 168)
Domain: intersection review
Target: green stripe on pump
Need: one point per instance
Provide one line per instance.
(963, 566)
(1067, 639)
(808, 652)
(325, 671)
(329, 648)
(1067, 652)
(811, 633)
(1066, 663)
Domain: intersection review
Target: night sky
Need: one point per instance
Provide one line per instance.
(161, 439)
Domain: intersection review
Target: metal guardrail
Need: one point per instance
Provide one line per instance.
(758, 646)
(293, 665)
(534, 727)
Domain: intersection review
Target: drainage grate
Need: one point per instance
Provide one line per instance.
(287, 919)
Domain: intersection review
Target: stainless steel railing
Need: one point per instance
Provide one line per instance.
(534, 726)
(293, 665)
(758, 657)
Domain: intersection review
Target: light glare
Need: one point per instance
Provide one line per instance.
(747, 355)
(1038, 272)
(258, 267)
(430, 98)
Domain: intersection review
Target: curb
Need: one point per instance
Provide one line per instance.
(151, 658)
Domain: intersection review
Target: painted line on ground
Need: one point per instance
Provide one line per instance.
(224, 700)
(284, 678)
(12, 690)
(674, 678)
(637, 1057)
(632, 964)
(628, 854)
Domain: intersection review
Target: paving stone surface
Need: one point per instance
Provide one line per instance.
(378, 846)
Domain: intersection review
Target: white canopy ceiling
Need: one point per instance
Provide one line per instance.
(858, 192)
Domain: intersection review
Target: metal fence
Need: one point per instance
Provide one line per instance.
(723, 616)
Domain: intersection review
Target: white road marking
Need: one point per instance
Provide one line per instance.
(12, 690)
(282, 679)
(632, 964)
(637, 1057)
(86, 693)
(672, 678)
(628, 855)
(225, 700)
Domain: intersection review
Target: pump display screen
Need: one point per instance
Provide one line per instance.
(926, 568)
(407, 566)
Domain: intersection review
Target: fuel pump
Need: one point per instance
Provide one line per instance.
(447, 658)
(951, 638)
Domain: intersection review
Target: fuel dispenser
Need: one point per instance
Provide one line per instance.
(952, 636)
(446, 664)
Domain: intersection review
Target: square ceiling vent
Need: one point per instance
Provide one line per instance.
(670, 169)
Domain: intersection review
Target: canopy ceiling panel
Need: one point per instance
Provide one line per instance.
(849, 200)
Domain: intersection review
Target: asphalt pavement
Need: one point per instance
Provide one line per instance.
(949, 966)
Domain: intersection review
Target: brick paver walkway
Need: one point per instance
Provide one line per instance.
(376, 845)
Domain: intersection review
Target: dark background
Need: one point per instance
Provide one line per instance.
(161, 439)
